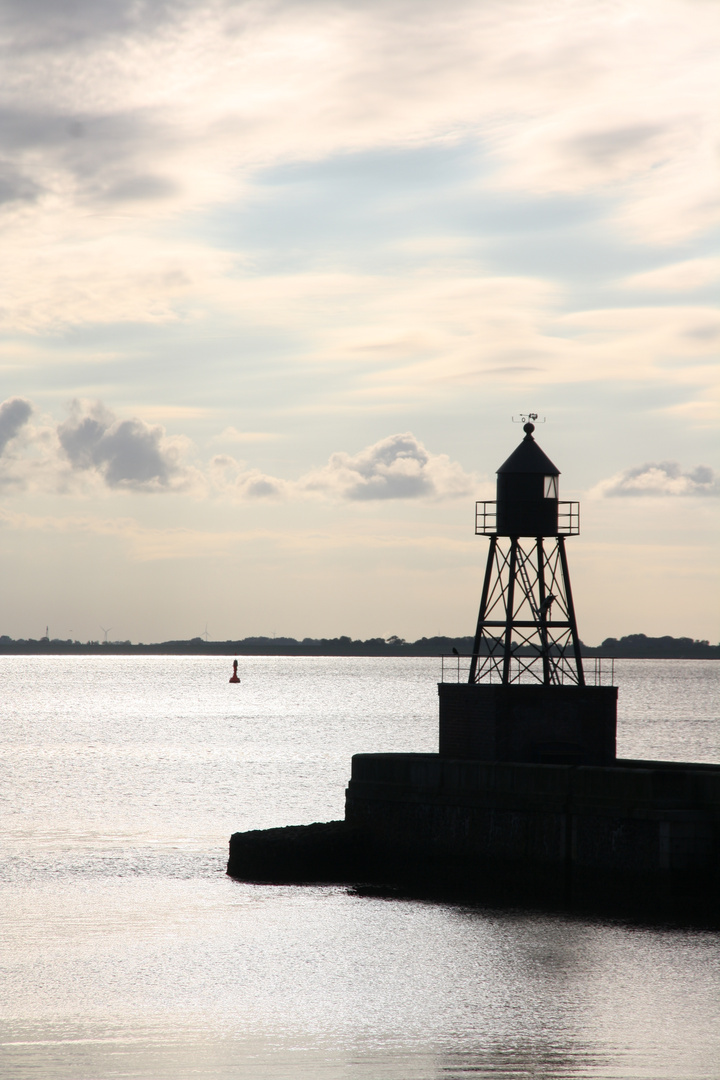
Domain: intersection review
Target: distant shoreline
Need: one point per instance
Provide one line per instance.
(633, 646)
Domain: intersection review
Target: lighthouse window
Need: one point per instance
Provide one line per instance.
(551, 487)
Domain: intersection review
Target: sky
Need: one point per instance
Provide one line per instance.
(277, 277)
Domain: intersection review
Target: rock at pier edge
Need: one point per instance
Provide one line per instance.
(327, 852)
(526, 802)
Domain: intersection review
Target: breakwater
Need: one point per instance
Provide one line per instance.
(636, 837)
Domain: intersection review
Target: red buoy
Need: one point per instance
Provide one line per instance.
(234, 676)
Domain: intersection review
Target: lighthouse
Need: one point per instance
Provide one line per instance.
(526, 627)
(526, 802)
(526, 697)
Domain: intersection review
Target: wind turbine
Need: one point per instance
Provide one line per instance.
(106, 632)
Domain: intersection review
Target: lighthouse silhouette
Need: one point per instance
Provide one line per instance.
(526, 697)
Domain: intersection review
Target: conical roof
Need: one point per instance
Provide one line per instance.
(529, 458)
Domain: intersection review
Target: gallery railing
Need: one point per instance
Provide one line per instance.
(486, 518)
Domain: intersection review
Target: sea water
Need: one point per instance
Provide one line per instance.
(127, 952)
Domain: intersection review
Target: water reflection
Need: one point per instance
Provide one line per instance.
(128, 953)
(539, 1061)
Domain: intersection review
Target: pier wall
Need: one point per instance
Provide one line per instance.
(564, 725)
(639, 836)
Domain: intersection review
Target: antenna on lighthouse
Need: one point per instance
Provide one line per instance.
(525, 417)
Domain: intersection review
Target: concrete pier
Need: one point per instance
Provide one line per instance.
(637, 836)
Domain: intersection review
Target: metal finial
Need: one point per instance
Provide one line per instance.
(529, 428)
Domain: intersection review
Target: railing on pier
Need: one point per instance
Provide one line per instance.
(603, 675)
(598, 670)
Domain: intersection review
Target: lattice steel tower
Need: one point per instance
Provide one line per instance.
(526, 630)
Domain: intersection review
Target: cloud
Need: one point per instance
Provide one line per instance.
(231, 477)
(126, 453)
(671, 344)
(232, 435)
(94, 448)
(139, 188)
(70, 157)
(689, 274)
(398, 467)
(91, 450)
(14, 414)
(42, 24)
(607, 148)
(16, 188)
(121, 101)
(110, 279)
(660, 479)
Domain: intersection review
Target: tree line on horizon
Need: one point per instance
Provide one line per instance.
(638, 646)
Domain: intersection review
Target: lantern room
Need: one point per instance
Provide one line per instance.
(527, 491)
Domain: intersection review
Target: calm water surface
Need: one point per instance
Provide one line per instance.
(126, 951)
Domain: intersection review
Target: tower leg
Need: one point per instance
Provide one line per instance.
(571, 611)
(483, 608)
(510, 601)
(543, 612)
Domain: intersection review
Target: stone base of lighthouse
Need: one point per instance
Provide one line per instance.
(550, 725)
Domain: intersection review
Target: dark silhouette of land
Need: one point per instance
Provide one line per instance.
(632, 646)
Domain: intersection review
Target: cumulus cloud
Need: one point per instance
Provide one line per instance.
(126, 453)
(94, 448)
(231, 477)
(659, 479)
(398, 467)
(14, 414)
